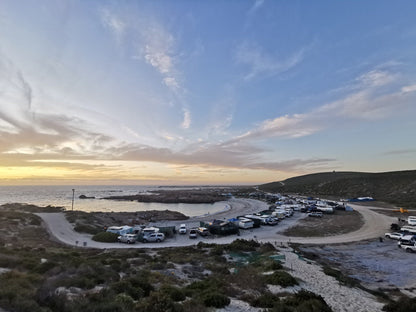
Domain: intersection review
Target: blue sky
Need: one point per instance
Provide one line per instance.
(189, 92)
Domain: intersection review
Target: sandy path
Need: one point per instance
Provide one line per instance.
(375, 225)
(338, 297)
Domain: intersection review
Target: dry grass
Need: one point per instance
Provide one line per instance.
(340, 222)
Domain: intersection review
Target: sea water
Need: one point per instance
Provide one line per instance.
(61, 196)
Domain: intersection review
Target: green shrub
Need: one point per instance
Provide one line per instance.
(217, 250)
(158, 302)
(45, 267)
(89, 229)
(265, 300)
(175, 293)
(242, 245)
(125, 287)
(105, 237)
(215, 299)
(125, 301)
(306, 301)
(281, 278)
(402, 305)
(340, 277)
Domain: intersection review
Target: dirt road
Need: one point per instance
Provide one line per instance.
(375, 225)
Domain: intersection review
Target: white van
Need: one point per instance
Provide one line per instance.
(411, 220)
(182, 229)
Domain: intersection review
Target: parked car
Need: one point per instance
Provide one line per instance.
(316, 214)
(408, 240)
(150, 230)
(245, 223)
(182, 229)
(395, 235)
(154, 237)
(272, 221)
(409, 248)
(203, 231)
(193, 233)
(128, 238)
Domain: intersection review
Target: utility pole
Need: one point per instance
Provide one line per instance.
(73, 196)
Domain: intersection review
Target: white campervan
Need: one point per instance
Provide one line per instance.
(411, 220)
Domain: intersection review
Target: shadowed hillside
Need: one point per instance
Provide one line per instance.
(397, 187)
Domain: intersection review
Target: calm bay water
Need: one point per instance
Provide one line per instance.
(62, 196)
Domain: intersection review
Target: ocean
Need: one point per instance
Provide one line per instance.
(61, 196)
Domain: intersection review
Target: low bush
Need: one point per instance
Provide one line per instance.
(210, 292)
(89, 229)
(306, 301)
(242, 245)
(158, 302)
(105, 237)
(403, 305)
(175, 293)
(215, 299)
(281, 278)
(265, 300)
(340, 277)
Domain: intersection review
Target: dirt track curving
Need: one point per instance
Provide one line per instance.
(375, 225)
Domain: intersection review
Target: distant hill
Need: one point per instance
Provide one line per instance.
(397, 187)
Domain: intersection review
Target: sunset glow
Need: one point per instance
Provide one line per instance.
(204, 92)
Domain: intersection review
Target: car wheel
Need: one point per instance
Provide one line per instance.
(409, 250)
(145, 241)
(158, 240)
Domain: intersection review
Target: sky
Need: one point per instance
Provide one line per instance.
(204, 92)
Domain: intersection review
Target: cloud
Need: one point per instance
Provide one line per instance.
(186, 119)
(375, 78)
(294, 126)
(375, 95)
(260, 63)
(256, 5)
(114, 23)
(409, 151)
(154, 45)
(409, 89)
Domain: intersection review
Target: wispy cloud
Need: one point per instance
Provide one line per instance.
(409, 151)
(48, 140)
(375, 95)
(154, 45)
(260, 62)
(114, 23)
(256, 5)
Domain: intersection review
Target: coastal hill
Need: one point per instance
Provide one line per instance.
(396, 187)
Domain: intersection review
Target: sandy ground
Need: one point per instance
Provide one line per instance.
(338, 297)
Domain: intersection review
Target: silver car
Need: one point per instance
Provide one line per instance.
(128, 238)
(154, 237)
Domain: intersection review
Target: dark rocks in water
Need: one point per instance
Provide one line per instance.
(86, 197)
